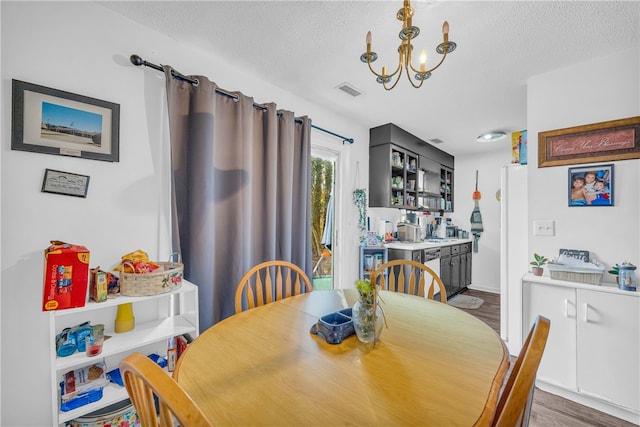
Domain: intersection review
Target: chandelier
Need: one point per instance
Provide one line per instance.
(405, 50)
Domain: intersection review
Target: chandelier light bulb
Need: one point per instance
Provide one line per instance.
(423, 60)
(369, 37)
(445, 31)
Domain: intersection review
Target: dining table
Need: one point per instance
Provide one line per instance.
(433, 365)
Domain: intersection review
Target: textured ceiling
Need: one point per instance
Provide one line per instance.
(311, 47)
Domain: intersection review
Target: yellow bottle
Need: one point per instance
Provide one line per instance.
(124, 318)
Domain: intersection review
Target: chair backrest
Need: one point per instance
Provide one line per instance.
(409, 277)
(271, 281)
(515, 401)
(143, 380)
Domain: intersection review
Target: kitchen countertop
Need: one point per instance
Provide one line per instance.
(425, 244)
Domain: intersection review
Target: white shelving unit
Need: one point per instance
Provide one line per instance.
(376, 252)
(157, 318)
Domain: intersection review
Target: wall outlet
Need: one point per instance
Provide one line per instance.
(543, 228)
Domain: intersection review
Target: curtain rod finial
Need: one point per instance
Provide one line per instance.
(136, 60)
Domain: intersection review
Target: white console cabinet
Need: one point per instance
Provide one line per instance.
(157, 318)
(592, 354)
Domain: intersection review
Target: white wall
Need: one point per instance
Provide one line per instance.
(596, 91)
(83, 48)
(603, 89)
(485, 273)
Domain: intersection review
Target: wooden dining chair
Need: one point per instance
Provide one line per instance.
(409, 277)
(270, 281)
(143, 380)
(514, 404)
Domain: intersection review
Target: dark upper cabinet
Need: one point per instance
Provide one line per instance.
(407, 172)
(393, 173)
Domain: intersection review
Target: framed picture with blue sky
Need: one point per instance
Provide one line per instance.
(51, 121)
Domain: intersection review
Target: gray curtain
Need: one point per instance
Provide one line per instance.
(241, 183)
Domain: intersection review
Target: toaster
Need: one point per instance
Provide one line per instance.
(409, 232)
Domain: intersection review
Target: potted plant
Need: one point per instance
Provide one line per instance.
(538, 262)
(614, 270)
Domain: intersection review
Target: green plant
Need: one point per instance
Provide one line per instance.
(360, 200)
(365, 289)
(539, 260)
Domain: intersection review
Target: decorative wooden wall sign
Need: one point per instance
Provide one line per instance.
(597, 142)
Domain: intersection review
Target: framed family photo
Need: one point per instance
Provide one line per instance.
(52, 121)
(591, 186)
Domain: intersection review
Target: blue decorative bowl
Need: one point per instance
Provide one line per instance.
(334, 327)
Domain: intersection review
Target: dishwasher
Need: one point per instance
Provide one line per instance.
(431, 258)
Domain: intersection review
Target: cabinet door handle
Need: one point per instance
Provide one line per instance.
(566, 307)
(585, 315)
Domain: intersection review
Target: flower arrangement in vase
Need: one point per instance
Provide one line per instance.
(367, 314)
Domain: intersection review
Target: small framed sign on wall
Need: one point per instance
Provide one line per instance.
(67, 183)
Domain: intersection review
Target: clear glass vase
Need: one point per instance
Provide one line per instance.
(367, 320)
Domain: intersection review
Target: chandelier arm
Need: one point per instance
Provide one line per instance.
(380, 75)
(411, 81)
(384, 85)
(439, 63)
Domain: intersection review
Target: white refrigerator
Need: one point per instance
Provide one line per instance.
(514, 242)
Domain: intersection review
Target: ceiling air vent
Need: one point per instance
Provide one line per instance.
(348, 89)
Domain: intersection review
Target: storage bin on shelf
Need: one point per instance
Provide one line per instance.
(166, 278)
(590, 276)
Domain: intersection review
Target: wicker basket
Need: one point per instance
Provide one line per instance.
(165, 279)
(573, 274)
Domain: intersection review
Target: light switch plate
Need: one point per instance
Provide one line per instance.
(543, 228)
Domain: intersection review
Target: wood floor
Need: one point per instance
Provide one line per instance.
(548, 410)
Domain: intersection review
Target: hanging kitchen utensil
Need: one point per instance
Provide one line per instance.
(476, 217)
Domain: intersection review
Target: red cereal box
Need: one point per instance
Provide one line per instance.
(66, 275)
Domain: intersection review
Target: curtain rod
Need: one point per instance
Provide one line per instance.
(137, 60)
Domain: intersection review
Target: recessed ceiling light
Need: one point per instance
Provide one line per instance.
(491, 136)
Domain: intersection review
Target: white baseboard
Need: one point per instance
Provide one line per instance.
(592, 402)
(483, 289)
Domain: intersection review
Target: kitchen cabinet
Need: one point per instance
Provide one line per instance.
(371, 258)
(465, 265)
(455, 268)
(393, 174)
(446, 189)
(157, 318)
(428, 184)
(593, 347)
(432, 175)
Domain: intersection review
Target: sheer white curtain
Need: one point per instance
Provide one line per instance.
(240, 188)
